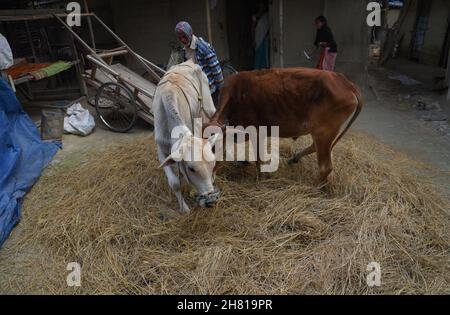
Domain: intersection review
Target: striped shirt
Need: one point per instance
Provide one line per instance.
(207, 60)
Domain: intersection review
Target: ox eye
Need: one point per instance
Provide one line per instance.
(191, 169)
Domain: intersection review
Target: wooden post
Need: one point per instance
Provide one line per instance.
(281, 34)
(208, 21)
(448, 75)
(91, 30)
(79, 69)
(30, 39)
(393, 34)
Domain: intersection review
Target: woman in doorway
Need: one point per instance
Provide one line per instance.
(326, 43)
(261, 37)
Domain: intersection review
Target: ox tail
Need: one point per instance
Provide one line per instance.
(354, 117)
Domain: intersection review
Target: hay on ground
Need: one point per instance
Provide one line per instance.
(277, 236)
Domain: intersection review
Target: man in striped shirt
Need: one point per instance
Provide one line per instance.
(202, 53)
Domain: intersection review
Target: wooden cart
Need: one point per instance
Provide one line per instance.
(122, 94)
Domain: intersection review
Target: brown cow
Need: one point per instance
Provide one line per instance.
(300, 101)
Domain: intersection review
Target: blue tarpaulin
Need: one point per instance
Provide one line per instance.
(23, 156)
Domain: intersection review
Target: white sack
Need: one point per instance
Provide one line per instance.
(79, 121)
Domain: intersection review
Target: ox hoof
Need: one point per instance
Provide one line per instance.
(185, 209)
(293, 161)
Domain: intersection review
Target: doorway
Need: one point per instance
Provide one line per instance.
(242, 21)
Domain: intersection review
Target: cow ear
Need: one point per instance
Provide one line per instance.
(176, 156)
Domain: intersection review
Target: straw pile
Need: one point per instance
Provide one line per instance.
(278, 235)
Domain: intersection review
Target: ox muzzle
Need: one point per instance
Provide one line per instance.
(208, 200)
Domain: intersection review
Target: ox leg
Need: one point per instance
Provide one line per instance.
(323, 148)
(175, 185)
(298, 156)
(174, 182)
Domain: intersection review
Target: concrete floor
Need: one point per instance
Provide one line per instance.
(101, 138)
(391, 118)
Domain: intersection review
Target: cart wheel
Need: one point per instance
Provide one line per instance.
(116, 107)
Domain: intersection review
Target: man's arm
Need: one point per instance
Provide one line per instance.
(214, 67)
(210, 62)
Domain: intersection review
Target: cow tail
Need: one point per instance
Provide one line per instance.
(354, 117)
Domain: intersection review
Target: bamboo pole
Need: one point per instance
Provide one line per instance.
(30, 39)
(448, 75)
(91, 29)
(281, 34)
(208, 21)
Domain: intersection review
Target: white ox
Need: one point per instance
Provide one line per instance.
(182, 96)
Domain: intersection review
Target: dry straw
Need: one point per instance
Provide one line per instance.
(278, 235)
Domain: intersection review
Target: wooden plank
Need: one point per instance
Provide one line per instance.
(134, 78)
(31, 14)
(113, 54)
(147, 118)
(25, 18)
(21, 12)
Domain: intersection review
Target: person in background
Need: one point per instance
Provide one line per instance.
(327, 45)
(6, 56)
(261, 37)
(203, 54)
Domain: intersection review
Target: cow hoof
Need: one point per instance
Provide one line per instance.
(185, 209)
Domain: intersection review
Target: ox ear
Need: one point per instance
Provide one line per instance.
(168, 162)
(176, 155)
